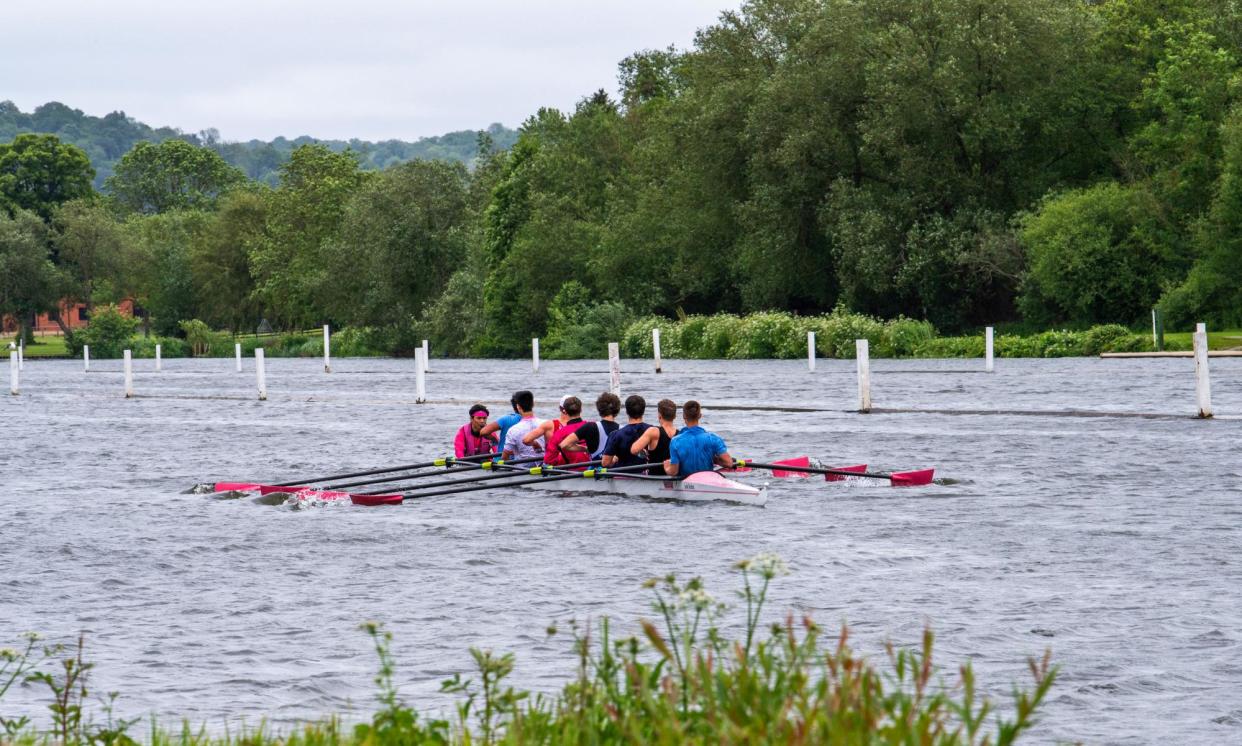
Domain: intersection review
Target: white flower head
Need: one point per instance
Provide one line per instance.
(696, 598)
(8, 654)
(768, 564)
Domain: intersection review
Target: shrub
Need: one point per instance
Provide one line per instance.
(108, 334)
(903, 336)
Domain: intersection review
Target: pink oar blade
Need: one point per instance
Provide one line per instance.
(236, 486)
(912, 478)
(856, 468)
(268, 489)
(802, 461)
(376, 499)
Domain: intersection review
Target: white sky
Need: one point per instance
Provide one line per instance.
(333, 69)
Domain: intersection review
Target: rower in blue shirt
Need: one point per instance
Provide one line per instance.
(694, 449)
(507, 421)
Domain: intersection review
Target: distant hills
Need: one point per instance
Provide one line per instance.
(105, 139)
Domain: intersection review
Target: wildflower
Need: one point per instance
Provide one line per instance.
(768, 564)
(8, 654)
(695, 598)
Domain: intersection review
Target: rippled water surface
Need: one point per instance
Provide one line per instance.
(1113, 540)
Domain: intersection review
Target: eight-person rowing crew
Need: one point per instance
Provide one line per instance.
(568, 439)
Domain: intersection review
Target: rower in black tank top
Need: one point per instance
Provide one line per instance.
(658, 454)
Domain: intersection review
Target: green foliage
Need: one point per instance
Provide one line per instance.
(108, 334)
(1062, 343)
(1098, 255)
(90, 244)
(39, 172)
(289, 262)
(402, 236)
(160, 267)
(580, 326)
(171, 175)
(29, 282)
(106, 139)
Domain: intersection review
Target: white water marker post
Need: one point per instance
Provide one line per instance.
(21, 353)
(1203, 385)
(159, 361)
(534, 355)
(862, 349)
(86, 358)
(655, 349)
(13, 376)
(260, 373)
(420, 379)
(988, 350)
(614, 368)
(237, 354)
(810, 351)
(327, 350)
(129, 374)
(426, 357)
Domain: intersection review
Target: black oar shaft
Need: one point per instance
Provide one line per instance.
(449, 470)
(811, 470)
(557, 475)
(388, 470)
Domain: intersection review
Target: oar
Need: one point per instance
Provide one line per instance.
(897, 478)
(452, 465)
(447, 460)
(507, 472)
(534, 475)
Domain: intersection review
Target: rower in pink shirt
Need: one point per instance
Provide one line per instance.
(476, 437)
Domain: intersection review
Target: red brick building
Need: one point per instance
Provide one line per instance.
(75, 316)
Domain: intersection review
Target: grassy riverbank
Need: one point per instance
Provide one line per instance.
(678, 681)
(758, 336)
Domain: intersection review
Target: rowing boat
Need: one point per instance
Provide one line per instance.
(704, 486)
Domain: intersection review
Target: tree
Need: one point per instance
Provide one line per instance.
(1097, 256)
(29, 283)
(220, 259)
(90, 244)
(288, 262)
(172, 175)
(39, 172)
(159, 266)
(402, 236)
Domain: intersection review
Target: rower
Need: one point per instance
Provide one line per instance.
(476, 436)
(593, 436)
(553, 454)
(653, 445)
(514, 446)
(509, 420)
(619, 451)
(694, 449)
(547, 427)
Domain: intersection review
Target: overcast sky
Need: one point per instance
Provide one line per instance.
(372, 69)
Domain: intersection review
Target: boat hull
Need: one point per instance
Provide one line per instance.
(702, 487)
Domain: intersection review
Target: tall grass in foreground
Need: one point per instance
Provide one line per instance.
(678, 682)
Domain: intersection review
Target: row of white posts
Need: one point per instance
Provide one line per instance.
(1203, 386)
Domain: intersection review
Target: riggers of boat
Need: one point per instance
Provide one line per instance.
(705, 486)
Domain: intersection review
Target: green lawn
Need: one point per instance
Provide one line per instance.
(50, 346)
(1217, 340)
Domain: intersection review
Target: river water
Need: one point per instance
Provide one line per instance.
(1115, 541)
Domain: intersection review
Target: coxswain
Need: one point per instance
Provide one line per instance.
(593, 436)
(513, 447)
(694, 449)
(476, 437)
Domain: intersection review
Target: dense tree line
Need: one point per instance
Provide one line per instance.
(961, 162)
(105, 139)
